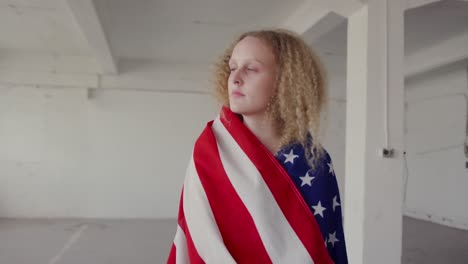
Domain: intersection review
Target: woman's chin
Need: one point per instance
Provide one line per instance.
(246, 111)
(237, 109)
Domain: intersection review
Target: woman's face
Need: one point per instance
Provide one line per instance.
(252, 81)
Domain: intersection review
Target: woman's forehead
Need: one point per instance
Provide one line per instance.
(253, 48)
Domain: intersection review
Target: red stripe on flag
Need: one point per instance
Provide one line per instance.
(235, 223)
(283, 189)
(192, 251)
(172, 255)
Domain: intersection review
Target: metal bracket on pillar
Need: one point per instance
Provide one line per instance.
(90, 93)
(387, 152)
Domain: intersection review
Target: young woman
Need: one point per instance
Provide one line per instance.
(260, 187)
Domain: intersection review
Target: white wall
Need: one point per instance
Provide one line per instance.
(437, 181)
(335, 129)
(436, 120)
(119, 154)
(123, 153)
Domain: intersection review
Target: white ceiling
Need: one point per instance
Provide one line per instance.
(425, 26)
(39, 26)
(179, 30)
(430, 24)
(192, 32)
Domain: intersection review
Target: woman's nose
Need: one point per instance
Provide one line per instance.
(237, 78)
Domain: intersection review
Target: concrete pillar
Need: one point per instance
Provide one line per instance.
(374, 121)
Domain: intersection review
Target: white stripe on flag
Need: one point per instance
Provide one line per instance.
(200, 221)
(279, 238)
(181, 247)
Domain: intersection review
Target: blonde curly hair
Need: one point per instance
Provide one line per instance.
(301, 93)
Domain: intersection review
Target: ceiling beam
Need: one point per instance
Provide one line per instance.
(304, 17)
(327, 24)
(410, 4)
(343, 8)
(440, 54)
(86, 17)
(315, 18)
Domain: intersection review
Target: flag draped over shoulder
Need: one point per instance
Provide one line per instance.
(239, 205)
(319, 188)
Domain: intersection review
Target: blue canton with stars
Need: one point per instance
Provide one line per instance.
(319, 189)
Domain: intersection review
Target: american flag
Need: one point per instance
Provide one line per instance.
(240, 205)
(319, 188)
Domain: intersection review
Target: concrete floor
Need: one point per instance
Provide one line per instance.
(148, 241)
(428, 243)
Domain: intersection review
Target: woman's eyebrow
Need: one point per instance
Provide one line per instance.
(248, 60)
(259, 61)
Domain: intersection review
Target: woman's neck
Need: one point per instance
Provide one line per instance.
(264, 129)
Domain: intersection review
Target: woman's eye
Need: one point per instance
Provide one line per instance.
(251, 69)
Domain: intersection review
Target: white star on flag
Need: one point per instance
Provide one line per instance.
(331, 170)
(335, 203)
(332, 239)
(290, 157)
(318, 209)
(306, 180)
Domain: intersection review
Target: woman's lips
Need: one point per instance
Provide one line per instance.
(237, 94)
